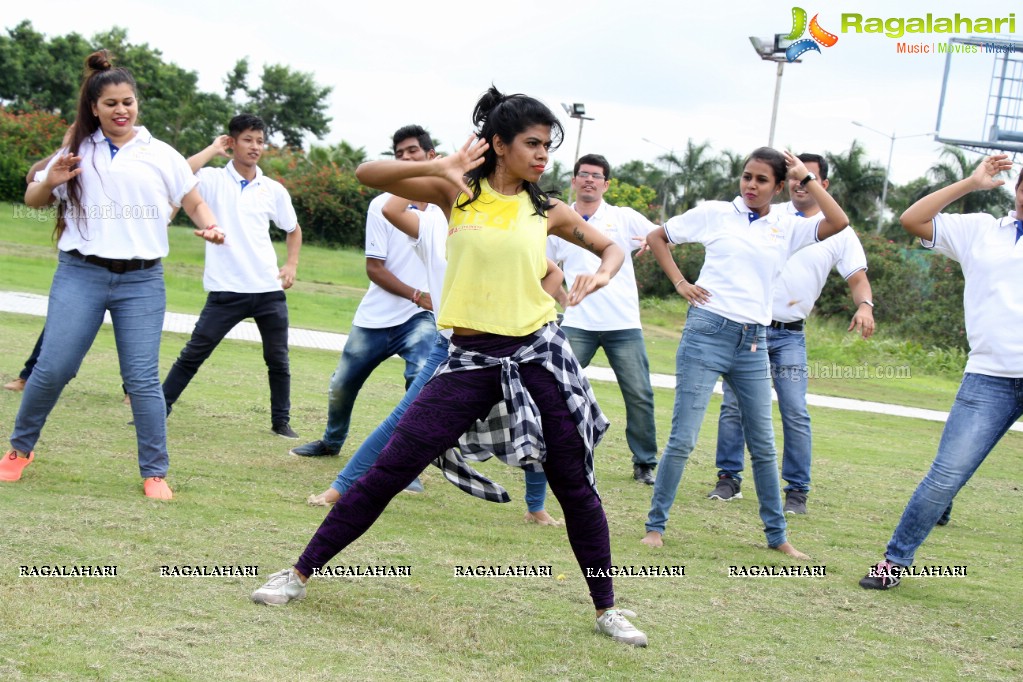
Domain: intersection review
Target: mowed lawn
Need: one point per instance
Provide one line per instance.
(240, 501)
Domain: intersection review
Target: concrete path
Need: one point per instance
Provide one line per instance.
(33, 304)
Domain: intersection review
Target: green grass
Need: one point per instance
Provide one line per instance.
(240, 500)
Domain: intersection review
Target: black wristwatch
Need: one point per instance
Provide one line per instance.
(808, 178)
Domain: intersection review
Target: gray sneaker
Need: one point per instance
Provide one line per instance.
(282, 587)
(315, 449)
(726, 489)
(795, 502)
(615, 625)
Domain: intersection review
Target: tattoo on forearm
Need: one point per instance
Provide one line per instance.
(579, 237)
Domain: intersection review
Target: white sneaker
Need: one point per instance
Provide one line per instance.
(282, 587)
(615, 625)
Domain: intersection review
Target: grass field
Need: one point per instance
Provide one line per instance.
(240, 501)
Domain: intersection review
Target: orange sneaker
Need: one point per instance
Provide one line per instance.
(11, 466)
(157, 488)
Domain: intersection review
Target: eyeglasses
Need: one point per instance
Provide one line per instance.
(596, 176)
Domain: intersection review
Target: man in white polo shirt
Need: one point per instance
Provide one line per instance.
(797, 290)
(393, 318)
(609, 318)
(242, 278)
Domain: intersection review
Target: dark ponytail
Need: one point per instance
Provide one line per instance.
(506, 116)
(99, 73)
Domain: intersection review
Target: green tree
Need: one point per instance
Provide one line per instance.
(955, 166)
(642, 174)
(556, 179)
(36, 74)
(723, 184)
(687, 181)
(289, 102)
(639, 198)
(342, 155)
(856, 185)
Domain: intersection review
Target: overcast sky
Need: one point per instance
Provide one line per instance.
(657, 69)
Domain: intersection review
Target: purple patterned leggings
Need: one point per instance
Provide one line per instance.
(445, 409)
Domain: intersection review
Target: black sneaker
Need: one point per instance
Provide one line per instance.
(644, 473)
(795, 502)
(726, 489)
(946, 516)
(284, 430)
(315, 449)
(884, 576)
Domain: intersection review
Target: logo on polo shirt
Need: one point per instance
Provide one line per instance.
(801, 45)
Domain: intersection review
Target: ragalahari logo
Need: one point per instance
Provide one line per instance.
(818, 36)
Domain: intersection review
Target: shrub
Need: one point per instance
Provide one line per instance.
(331, 204)
(918, 294)
(652, 281)
(24, 139)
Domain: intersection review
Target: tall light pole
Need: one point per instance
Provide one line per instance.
(888, 171)
(671, 158)
(773, 50)
(576, 110)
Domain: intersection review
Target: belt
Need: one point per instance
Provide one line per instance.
(796, 326)
(115, 265)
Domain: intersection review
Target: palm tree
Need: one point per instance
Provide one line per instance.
(856, 184)
(556, 179)
(955, 166)
(342, 155)
(724, 183)
(642, 174)
(687, 186)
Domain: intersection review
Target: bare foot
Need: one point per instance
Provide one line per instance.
(787, 548)
(541, 518)
(324, 499)
(652, 539)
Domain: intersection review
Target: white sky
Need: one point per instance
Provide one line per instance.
(659, 69)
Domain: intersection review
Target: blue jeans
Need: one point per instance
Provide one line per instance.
(370, 449)
(79, 296)
(364, 351)
(786, 352)
(626, 352)
(714, 346)
(33, 358)
(984, 409)
(224, 310)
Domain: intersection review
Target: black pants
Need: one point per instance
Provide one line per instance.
(223, 310)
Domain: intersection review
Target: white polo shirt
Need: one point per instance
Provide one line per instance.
(992, 263)
(379, 308)
(745, 254)
(126, 200)
(615, 306)
(805, 273)
(431, 247)
(246, 263)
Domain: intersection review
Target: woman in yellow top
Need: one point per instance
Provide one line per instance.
(504, 339)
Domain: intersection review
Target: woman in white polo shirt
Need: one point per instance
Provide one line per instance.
(725, 333)
(990, 398)
(117, 187)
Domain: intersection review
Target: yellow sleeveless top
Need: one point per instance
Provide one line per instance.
(497, 256)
